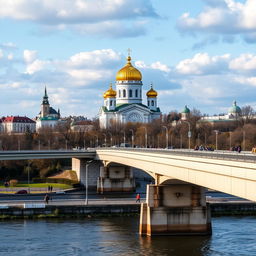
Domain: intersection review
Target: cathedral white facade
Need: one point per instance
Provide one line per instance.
(125, 104)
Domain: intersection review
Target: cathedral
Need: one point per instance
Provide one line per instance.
(124, 104)
(48, 116)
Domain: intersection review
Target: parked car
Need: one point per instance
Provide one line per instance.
(23, 191)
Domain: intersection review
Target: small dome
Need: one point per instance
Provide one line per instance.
(110, 93)
(151, 93)
(128, 72)
(235, 109)
(186, 110)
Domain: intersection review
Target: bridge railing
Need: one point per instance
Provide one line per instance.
(245, 156)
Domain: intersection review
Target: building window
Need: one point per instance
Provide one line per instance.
(119, 92)
(110, 103)
(130, 93)
(124, 93)
(152, 103)
(140, 93)
(148, 102)
(136, 93)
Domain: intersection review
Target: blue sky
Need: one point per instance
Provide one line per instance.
(200, 53)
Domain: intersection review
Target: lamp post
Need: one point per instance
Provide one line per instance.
(66, 144)
(146, 136)
(243, 140)
(97, 141)
(86, 181)
(39, 145)
(124, 138)
(189, 133)
(19, 145)
(216, 138)
(49, 145)
(105, 139)
(230, 140)
(166, 135)
(132, 137)
(28, 170)
(110, 138)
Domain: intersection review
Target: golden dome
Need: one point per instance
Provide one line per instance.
(128, 72)
(151, 93)
(110, 93)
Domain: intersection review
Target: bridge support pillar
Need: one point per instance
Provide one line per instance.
(79, 166)
(115, 178)
(175, 209)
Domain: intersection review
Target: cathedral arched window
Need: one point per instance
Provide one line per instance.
(148, 102)
(130, 93)
(136, 93)
(152, 103)
(124, 93)
(110, 103)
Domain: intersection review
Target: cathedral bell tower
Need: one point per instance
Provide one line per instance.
(45, 106)
(152, 99)
(110, 98)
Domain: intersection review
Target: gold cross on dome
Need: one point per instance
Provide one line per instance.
(129, 50)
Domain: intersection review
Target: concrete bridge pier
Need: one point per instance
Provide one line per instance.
(175, 209)
(79, 165)
(115, 178)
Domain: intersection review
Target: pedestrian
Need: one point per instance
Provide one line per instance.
(138, 198)
(46, 198)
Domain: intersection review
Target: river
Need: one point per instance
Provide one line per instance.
(232, 236)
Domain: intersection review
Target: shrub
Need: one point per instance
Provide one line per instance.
(13, 183)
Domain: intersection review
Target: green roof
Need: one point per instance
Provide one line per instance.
(186, 110)
(120, 106)
(48, 118)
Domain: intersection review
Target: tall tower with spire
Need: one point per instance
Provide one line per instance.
(45, 106)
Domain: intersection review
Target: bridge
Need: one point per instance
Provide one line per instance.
(176, 202)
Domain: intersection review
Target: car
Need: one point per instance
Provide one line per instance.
(22, 192)
(60, 192)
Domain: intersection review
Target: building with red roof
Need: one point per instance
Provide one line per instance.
(17, 124)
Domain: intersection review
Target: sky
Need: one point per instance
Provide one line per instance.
(199, 53)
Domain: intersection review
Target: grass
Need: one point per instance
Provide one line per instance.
(40, 185)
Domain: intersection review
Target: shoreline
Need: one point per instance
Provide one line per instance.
(42, 211)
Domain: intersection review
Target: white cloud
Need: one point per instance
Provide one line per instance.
(29, 56)
(105, 17)
(202, 63)
(225, 17)
(245, 62)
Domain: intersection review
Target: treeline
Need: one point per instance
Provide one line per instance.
(169, 131)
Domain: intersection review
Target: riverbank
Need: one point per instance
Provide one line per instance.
(41, 210)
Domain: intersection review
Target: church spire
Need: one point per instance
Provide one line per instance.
(45, 98)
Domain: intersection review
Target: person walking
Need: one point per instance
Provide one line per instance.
(46, 198)
(138, 198)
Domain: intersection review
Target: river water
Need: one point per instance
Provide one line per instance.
(232, 236)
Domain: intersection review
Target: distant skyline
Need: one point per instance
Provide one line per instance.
(198, 53)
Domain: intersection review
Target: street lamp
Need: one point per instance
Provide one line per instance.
(110, 138)
(216, 138)
(39, 146)
(146, 137)
(189, 133)
(66, 145)
(124, 138)
(19, 145)
(132, 137)
(86, 181)
(243, 140)
(97, 141)
(230, 140)
(105, 138)
(166, 136)
(49, 145)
